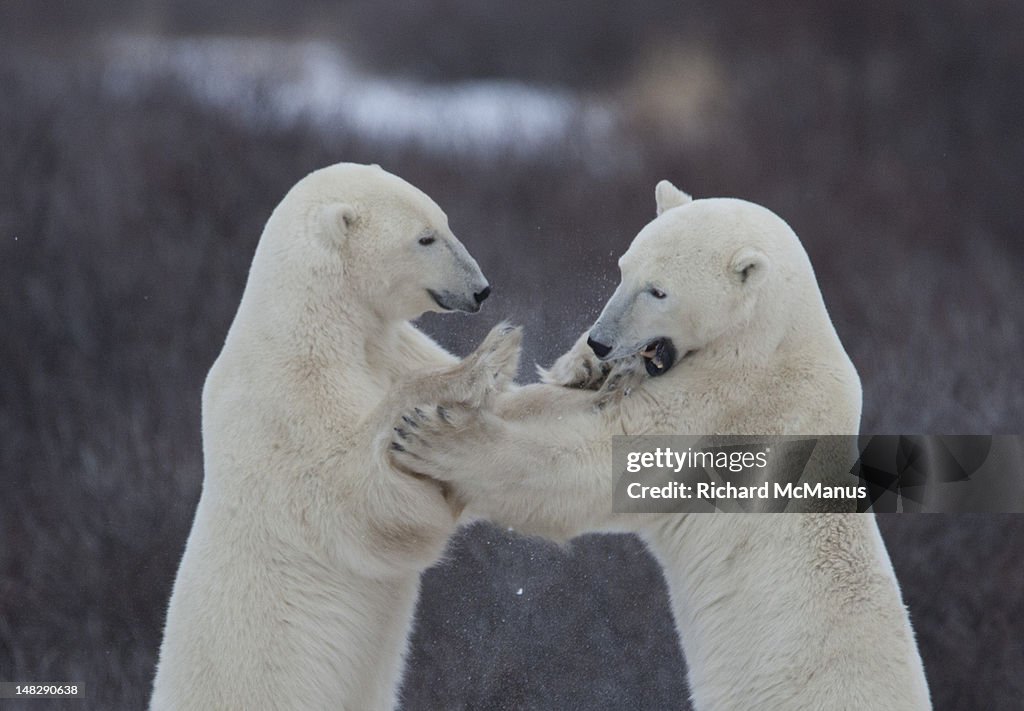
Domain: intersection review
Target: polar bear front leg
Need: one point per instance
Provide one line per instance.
(478, 457)
(538, 460)
(487, 370)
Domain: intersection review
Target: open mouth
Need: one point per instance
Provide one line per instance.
(659, 355)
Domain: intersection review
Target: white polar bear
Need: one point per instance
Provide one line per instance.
(301, 572)
(719, 301)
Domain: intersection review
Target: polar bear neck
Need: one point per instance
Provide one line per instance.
(298, 308)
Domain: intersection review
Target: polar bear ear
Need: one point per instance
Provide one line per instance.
(750, 266)
(667, 196)
(339, 219)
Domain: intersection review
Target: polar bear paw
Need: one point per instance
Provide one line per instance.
(625, 375)
(496, 359)
(427, 438)
(433, 440)
(487, 370)
(579, 368)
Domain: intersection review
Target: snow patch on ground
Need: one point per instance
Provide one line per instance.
(266, 82)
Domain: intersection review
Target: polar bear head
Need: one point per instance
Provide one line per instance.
(378, 241)
(702, 272)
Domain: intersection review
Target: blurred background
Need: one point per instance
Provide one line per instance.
(144, 144)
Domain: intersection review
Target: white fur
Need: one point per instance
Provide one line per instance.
(301, 572)
(792, 611)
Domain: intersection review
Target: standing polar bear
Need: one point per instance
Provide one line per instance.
(720, 314)
(301, 571)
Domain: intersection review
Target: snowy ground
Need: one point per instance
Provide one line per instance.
(275, 82)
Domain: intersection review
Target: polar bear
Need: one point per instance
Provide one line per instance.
(301, 572)
(717, 327)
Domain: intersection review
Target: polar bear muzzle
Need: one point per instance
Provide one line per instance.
(450, 301)
(659, 355)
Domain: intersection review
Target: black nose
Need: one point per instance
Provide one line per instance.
(481, 295)
(599, 348)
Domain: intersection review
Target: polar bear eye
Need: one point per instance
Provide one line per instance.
(657, 293)
(427, 240)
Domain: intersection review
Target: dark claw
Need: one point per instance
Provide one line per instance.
(443, 414)
(419, 413)
(409, 421)
(397, 447)
(412, 438)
